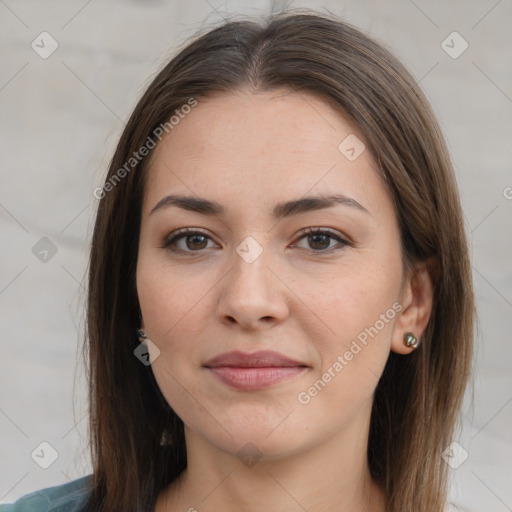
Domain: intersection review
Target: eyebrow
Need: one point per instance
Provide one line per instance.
(280, 211)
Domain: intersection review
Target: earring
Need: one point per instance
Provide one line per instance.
(141, 335)
(410, 340)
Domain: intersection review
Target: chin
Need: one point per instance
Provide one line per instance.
(258, 440)
(250, 450)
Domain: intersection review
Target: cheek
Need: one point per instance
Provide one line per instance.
(350, 298)
(353, 357)
(171, 307)
(356, 310)
(168, 299)
(176, 311)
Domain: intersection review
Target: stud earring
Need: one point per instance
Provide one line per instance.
(410, 340)
(141, 335)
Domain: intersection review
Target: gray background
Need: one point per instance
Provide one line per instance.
(60, 119)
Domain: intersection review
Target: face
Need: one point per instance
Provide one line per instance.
(318, 285)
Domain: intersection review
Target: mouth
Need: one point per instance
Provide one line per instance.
(250, 372)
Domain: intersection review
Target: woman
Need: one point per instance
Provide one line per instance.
(280, 301)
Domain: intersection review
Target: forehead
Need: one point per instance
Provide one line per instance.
(259, 144)
(259, 120)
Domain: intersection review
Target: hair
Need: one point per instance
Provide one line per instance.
(418, 397)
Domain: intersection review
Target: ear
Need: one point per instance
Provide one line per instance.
(417, 302)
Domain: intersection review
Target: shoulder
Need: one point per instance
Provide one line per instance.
(69, 497)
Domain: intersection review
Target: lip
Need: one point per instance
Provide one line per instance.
(254, 371)
(261, 359)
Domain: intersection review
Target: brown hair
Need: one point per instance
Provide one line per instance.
(418, 397)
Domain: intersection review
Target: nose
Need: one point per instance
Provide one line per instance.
(252, 294)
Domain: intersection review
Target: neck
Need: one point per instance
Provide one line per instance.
(330, 477)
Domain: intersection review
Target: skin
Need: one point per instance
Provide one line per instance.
(250, 151)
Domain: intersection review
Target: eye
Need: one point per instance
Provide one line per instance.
(197, 241)
(320, 238)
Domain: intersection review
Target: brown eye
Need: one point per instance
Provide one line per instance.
(195, 241)
(319, 240)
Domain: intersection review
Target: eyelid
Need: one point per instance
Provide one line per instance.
(183, 232)
(323, 230)
(342, 239)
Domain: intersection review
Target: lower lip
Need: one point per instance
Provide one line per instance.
(251, 379)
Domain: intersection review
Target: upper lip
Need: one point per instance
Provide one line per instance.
(262, 359)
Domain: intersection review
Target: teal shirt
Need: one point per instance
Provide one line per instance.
(69, 497)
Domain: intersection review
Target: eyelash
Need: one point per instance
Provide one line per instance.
(171, 239)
